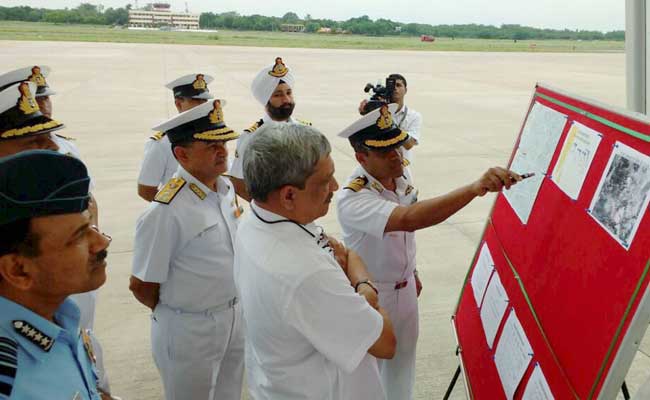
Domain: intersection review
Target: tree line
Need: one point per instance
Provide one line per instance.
(84, 14)
(98, 15)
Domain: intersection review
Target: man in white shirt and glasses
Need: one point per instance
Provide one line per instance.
(313, 327)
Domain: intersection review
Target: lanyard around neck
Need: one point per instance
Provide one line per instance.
(406, 110)
(283, 220)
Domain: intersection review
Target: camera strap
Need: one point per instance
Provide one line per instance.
(406, 111)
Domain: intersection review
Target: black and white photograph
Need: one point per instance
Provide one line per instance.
(622, 195)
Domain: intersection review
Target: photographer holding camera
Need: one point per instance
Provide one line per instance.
(407, 119)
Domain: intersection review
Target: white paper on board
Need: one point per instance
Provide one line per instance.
(575, 159)
(538, 142)
(622, 196)
(537, 387)
(494, 307)
(513, 355)
(481, 273)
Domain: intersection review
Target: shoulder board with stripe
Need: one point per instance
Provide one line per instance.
(65, 137)
(157, 136)
(169, 191)
(303, 122)
(255, 126)
(405, 162)
(357, 183)
(8, 365)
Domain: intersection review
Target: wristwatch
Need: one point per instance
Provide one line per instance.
(367, 282)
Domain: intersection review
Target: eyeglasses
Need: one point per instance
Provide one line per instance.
(96, 229)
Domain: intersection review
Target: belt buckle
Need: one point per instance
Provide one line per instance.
(401, 285)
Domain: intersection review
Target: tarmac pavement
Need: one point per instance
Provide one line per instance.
(473, 104)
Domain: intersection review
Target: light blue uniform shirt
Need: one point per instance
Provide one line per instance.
(40, 359)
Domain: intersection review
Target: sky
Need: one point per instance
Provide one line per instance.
(601, 15)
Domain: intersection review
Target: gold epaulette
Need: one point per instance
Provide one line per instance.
(302, 121)
(157, 136)
(357, 183)
(65, 137)
(255, 126)
(169, 191)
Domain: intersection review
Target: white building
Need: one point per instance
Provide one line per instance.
(161, 15)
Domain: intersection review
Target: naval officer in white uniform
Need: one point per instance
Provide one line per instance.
(183, 264)
(159, 164)
(378, 211)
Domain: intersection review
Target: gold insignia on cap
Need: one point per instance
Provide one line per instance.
(279, 69)
(385, 120)
(199, 82)
(357, 183)
(169, 191)
(216, 115)
(30, 129)
(221, 134)
(197, 191)
(37, 77)
(389, 142)
(26, 103)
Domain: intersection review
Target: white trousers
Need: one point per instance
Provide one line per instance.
(87, 303)
(200, 356)
(398, 373)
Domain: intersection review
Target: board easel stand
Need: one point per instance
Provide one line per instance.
(454, 379)
(619, 123)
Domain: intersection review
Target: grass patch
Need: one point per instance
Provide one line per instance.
(34, 31)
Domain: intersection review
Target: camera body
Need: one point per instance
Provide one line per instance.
(380, 95)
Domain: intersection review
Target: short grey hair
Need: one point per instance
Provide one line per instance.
(282, 154)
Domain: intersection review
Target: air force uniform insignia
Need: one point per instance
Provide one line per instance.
(34, 335)
(88, 346)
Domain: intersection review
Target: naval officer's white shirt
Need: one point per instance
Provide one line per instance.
(308, 332)
(187, 246)
(409, 120)
(158, 164)
(237, 167)
(363, 215)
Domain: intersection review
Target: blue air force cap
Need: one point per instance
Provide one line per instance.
(38, 183)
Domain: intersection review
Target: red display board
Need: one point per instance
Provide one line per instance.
(574, 288)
